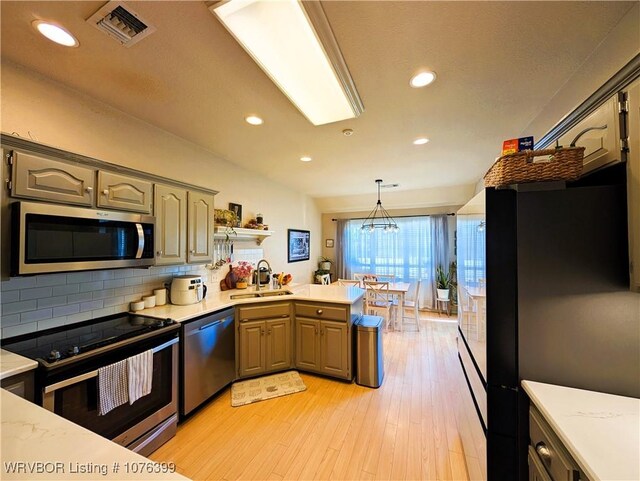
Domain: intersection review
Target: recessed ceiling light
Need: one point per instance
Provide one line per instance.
(420, 141)
(347, 132)
(306, 159)
(55, 33)
(422, 79)
(254, 120)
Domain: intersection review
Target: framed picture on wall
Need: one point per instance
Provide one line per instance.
(299, 245)
(328, 243)
(237, 210)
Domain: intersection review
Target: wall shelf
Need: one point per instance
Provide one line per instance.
(220, 232)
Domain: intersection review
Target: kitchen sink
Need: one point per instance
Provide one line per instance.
(258, 294)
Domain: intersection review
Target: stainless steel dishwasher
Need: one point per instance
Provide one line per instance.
(208, 358)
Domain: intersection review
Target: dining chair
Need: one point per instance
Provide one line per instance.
(411, 302)
(324, 279)
(349, 282)
(378, 300)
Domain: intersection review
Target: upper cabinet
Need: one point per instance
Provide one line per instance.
(633, 180)
(170, 210)
(200, 227)
(122, 192)
(599, 134)
(39, 178)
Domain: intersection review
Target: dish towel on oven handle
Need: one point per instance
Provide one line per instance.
(140, 368)
(112, 386)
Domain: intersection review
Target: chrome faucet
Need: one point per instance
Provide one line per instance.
(258, 272)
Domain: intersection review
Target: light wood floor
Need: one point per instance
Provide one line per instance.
(406, 429)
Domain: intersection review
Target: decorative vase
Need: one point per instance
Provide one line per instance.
(241, 284)
(443, 294)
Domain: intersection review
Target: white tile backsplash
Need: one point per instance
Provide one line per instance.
(50, 300)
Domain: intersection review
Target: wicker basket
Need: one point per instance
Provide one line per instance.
(536, 166)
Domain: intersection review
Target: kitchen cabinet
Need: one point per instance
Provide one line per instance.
(117, 191)
(323, 339)
(40, 178)
(264, 338)
(170, 210)
(633, 179)
(599, 134)
(200, 227)
(549, 459)
(21, 385)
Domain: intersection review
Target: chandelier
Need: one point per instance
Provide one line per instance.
(379, 218)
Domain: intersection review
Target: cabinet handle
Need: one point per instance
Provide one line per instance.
(105, 192)
(262, 332)
(316, 331)
(573, 143)
(269, 332)
(319, 312)
(321, 332)
(544, 453)
(88, 190)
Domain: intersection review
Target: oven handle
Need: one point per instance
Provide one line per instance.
(88, 375)
(140, 241)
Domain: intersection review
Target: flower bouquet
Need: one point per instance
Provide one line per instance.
(243, 274)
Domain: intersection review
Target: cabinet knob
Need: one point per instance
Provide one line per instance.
(543, 452)
(159, 253)
(262, 332)
(88, 190)
(319, 312)
(192, 251)
(269, 332)
(321, 332)
(316, 331)
(105, 191)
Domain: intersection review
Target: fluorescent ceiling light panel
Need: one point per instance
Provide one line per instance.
(279, 36)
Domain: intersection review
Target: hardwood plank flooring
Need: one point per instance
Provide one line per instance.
(405, 430)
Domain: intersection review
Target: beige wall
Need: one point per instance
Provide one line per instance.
(35, 107)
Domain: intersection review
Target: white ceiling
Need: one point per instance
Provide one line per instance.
(498, 64)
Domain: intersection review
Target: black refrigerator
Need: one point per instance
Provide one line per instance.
(558, 305)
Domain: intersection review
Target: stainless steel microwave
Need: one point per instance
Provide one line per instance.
(57, 238)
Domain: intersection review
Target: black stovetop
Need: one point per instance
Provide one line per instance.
(62, 344)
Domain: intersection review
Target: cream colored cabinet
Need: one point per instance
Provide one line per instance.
(35, 177)
(599, 134)
(633, 179)
(323, 339)
(264, 338)
(122, 192)
(200, 227)
(170, 210)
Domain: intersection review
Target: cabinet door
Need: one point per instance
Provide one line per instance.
(633, 179)
(334, 348)
(200, 225)
(122, 192)
(171, 225)
(602, 143)
(252, 348)
(40, 178)
(278, 344)
(307, 344)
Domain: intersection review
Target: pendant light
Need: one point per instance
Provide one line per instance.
(379, 218)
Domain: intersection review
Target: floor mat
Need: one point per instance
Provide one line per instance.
(266, 387)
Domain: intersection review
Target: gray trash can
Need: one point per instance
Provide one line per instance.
(370, 361)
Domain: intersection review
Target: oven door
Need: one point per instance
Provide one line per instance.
(76, 399)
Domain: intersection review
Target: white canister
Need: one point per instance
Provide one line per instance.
(137, 306)
(149, 301)
(161, 296)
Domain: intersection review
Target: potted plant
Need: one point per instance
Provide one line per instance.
(443, 282)
(243, 274)
(324, 264)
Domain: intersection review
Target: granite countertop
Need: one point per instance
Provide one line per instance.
(12, 364)
(601, 431)
(216, 301)
(63, 450)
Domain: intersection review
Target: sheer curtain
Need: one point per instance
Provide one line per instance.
(410, 254)
(471, 250)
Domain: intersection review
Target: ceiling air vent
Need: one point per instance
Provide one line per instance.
(121, 23)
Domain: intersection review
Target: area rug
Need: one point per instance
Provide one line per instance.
(266, 387)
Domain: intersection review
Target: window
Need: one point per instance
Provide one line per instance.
(407, 254)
